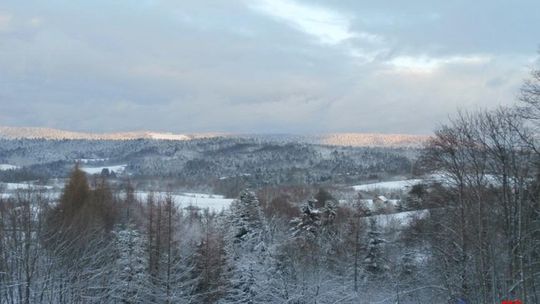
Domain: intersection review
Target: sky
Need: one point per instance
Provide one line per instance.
(260, 66)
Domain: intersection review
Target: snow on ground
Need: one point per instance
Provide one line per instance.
(400, 219)
(393, 185)
(23, 186)
(449, 180)
(7, 167)
(241, 174)
(91, 160)
(488, 179)
(203, 195)
(376, 206)
(215, 203)
(97, 170)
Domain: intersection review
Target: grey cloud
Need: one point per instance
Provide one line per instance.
(224, 66)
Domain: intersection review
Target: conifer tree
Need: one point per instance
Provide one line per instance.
(209, 264)
(246, 248)
(130, 279)
(374, 261)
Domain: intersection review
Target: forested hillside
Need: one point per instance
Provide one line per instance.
(219, 163)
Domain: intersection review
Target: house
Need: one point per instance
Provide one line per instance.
(381, 199)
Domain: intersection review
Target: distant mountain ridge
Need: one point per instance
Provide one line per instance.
(373, 139)
(333, 139)
(56, 134)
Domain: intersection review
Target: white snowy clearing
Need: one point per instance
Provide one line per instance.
(400, 219)
(380, 204)
(97, 170)
(393, 185)
(23, 186)
(213, 202)
(7, 167)
(203, 195)
(91, 160)
(241, 174)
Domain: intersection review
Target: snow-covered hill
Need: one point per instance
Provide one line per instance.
(372, 140)
(390, 185)
(56, 134)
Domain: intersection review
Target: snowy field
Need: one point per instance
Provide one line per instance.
(215, 203)
(23, 186)
(393, 185)
(7, 167)
(97, 170)
(8, 190)
(372, 206)
(91, 160)
(400, 219)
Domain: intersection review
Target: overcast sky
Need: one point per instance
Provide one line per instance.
(287, 66)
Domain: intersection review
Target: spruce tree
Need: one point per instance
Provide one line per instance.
(374, 261)
(246, 249)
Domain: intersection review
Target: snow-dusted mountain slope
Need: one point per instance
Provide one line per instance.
(48, 133)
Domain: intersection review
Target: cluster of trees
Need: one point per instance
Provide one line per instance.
(19, 175)
(97, 245)
(483, 228)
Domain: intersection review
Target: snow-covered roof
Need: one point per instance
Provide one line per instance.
(382, 198)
